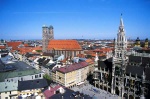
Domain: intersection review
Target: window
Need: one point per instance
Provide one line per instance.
(40, 75)
(36, 76)
(6, 97)
(5, 87)
(10, 92)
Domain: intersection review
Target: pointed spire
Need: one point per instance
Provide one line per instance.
(96, 57)
(121, 21)
(143, 76)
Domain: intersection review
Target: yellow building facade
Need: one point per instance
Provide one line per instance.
(72, 75)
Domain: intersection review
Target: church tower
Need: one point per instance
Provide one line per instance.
(137, 42)
(47, 33)
(51, 32)
(146, 43)
(119, 61)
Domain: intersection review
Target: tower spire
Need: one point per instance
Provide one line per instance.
(96, 57)
(120, 59)
(121, 21)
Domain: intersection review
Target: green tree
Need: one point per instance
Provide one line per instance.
(38, 50)
(47, 77)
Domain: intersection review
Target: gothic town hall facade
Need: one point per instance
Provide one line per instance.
(125, 76)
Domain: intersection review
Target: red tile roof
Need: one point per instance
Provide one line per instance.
(102, 54)
(14, 45)
(72, 67)
(89, 61)
(104, 50)
(24, 50)
(25, 45)
(64, 45)
(81, 55)
(64, 60)
(2, 47)
(49, 93)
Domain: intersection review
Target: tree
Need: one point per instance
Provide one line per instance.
(39, 51)
(47, 77)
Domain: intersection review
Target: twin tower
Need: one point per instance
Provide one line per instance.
(48, 34)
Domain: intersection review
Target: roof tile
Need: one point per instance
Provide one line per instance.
(64, 45)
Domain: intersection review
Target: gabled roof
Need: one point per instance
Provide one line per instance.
(2, 47)
(24, 50)
(48, 93)
(81, 55)
(14, 45)
(26, 45)
(72, 67)
(64, 45)
(89, 61)
(8, 86)
(103, 50)
(68, 94)
(48, 54)
(32, 84)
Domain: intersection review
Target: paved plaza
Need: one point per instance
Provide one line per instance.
(94, 92)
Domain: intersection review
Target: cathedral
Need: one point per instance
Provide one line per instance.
(68, 48)
(125, 76)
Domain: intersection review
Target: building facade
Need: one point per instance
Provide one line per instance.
(71, 75)
(8, 90)
(23, 89)
(119, 60)
(69, 48)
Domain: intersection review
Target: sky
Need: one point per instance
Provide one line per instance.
(74, 19)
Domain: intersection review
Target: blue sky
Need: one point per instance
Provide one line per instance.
(72, 19)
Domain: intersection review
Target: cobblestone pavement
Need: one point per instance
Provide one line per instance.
(94, 92)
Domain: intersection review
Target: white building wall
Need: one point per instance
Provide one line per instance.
(24, 78)
(6, 94)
